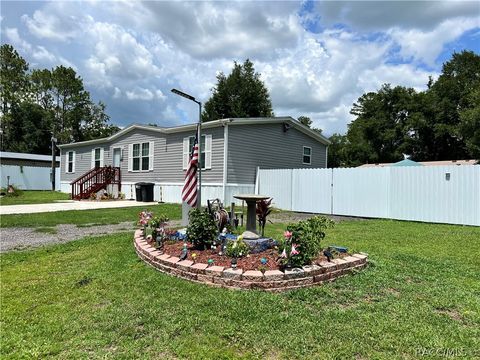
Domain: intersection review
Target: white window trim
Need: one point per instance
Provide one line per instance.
(102, 156)
(303, 155)
(207, 150)
(150, 156)
(67, 162)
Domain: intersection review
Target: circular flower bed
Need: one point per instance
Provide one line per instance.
(238, 278)
(201, 254)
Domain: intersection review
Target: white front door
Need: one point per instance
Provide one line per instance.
(117, 155)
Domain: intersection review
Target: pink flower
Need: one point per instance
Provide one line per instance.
(294, 251)
(287, 234)
(284, 254)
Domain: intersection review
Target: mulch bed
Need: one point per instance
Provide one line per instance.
(252, 262)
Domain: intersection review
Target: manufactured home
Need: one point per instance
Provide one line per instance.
(231, 152)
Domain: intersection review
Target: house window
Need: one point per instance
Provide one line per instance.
(307, 155)
(141, 157)
(202, 149)
(206, 151)
(70, 161)
(98, 161)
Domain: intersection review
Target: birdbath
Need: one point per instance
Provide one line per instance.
(251, 199)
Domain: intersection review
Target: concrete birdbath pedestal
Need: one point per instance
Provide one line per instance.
(251, 199)
(251, 236)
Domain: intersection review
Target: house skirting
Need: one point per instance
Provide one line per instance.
(171, 192)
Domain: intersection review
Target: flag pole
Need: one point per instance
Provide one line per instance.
(199, 199)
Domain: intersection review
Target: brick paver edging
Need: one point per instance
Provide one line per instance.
(271, 280)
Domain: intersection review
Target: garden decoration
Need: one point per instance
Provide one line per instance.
(340, 249)
(328, 254)
(218, 212)
(184, 253)
(223, 239)
(251, 199)
(251, 237)
(194, 257)
(233, 263)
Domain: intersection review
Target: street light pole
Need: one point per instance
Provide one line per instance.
(191, 98)
(54, 162)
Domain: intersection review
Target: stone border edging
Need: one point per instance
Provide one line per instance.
(271, 280)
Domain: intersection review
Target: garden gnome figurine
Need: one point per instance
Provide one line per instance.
(184, 253)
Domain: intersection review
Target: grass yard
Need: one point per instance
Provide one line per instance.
(87, 217)
(94, 298)
(33, 197)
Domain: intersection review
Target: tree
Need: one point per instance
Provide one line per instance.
(44, 102)
(452, 95)
(305, 120)
(470, 124)
(240, 94)
(337, 151)
(13, 89)
(385, 127)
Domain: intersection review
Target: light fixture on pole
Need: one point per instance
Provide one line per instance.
(190, 97)
(54, 162)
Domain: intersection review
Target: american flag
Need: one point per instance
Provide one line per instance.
(189, 192)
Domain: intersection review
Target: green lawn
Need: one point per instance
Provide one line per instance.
(34, 197)
(94, 298)
(83, 217)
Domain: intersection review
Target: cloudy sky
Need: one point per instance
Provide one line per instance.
(316, 58)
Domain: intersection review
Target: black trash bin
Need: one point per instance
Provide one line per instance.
(144, 191)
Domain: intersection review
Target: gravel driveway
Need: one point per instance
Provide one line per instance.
(23, 238)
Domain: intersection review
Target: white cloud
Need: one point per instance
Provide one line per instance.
(218, 29)
(117, 53)
(427, 45)
(13, 35)
(43, 55)
(138, 51)
(52, 24)
(144, 94)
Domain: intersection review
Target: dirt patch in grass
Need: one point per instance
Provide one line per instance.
(451, 313)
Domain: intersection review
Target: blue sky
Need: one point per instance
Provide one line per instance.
(316, 58)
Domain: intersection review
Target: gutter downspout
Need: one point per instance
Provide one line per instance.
(225, 164)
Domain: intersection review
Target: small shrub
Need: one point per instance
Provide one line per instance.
(158, 221)
(202, 229)
(302, 242)
(264, 208)
(237, 248)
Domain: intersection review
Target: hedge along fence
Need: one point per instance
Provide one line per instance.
(271, 280)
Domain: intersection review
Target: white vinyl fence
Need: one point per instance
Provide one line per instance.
(29, 177)
(442, 194)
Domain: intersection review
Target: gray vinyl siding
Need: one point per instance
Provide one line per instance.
(83, 162)
(269, 147)
(167, 161)
(172, 164)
